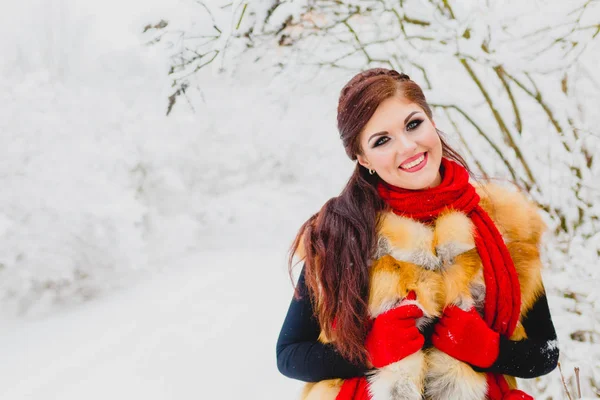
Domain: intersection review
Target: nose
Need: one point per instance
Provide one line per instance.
(405, 145)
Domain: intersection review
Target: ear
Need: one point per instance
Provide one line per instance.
(362, 160)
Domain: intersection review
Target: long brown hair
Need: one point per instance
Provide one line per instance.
(337, 244)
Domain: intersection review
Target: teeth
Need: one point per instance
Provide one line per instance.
(414, 163)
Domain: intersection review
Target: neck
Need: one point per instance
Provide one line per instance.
(436, 181)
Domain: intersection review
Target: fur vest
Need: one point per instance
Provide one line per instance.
(441, 264)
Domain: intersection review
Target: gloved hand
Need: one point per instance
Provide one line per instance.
(394, 335)
(517, 395)
(465, 336)
(498, 389)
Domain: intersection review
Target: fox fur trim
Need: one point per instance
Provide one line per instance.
(441, 264)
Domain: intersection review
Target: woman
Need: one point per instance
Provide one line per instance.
(406, 168)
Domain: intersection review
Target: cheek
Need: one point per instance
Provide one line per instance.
(433, 140)
(384, 159)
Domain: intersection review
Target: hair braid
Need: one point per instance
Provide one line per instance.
(363, 76)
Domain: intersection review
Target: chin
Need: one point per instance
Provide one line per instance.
(423, 183)
(429, 180)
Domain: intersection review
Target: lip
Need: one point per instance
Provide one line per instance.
(416, 167)
(413, 158)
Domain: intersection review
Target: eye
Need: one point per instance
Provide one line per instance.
(414, 124)
(381, 141)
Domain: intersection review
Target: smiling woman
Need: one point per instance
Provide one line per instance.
(413, 256)
(405, 149)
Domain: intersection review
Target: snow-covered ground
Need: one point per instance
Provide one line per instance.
(204, 329)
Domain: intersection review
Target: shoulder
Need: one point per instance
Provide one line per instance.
(515, 215)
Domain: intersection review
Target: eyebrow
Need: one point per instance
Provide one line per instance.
(386, 132)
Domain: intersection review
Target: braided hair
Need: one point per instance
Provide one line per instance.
(370, 73)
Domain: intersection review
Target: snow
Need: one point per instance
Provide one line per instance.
(144, 255)
(199, 332)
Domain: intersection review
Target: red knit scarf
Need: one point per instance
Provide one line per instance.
(503, 295)
(455, 192)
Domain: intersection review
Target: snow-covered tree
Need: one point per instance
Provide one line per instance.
(514, 83)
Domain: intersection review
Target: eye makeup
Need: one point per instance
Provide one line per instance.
(414, 124)
(380, 141)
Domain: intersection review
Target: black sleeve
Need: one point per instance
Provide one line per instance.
(532, 357)
(300, 355)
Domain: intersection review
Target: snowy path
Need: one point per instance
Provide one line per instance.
(198, 331)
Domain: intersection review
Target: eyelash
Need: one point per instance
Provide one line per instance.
(380, 141)
(415, 121)
(411, 126)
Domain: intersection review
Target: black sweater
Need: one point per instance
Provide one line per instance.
(301, 356)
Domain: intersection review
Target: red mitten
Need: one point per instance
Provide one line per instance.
(465, 336)
(394, 335)
(496, 389)
(517, 395)
(354, 389)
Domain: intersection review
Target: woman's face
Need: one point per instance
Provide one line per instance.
(401, 144)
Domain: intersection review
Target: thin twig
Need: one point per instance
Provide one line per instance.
(500, 72)
(562, 378)
(464, 142)
(241, 17)
(360, 45)
(500, 122)
(487, 139)
(577, 381)
(447, 5)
